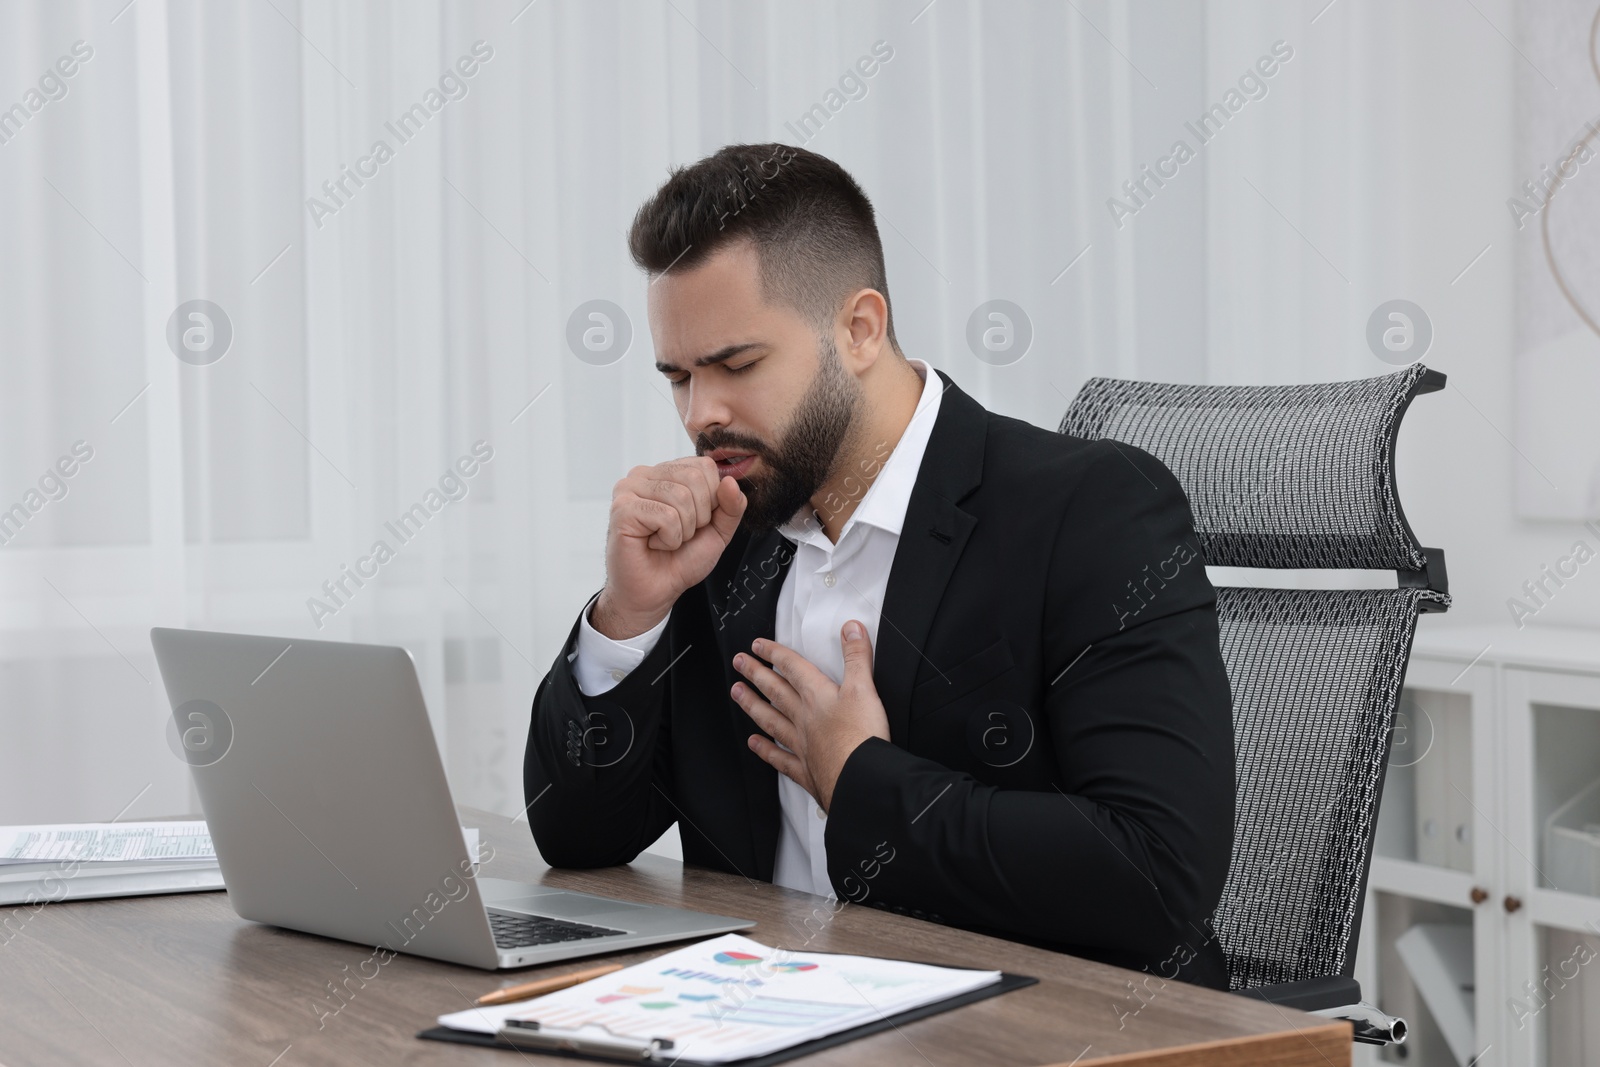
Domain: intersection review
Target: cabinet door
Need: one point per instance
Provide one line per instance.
(1551, 902)
(1437, 861)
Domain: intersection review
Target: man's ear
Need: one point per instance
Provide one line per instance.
(864, 320)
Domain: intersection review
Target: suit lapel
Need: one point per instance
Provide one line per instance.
(931, 541)
(745, 604)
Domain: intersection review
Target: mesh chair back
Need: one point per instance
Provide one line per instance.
(1316, 678)
(1278, 476)
(1303, 477)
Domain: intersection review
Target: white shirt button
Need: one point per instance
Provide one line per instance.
(820, 813)
(618, 674)
(828, 579)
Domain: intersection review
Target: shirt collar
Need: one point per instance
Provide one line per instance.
(887, 498)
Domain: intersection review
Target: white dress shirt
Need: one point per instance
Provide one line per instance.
(827, 584)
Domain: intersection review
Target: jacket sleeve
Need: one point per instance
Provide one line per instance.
(597, 774)
(1128, 852)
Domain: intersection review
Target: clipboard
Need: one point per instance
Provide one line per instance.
(629, 1051)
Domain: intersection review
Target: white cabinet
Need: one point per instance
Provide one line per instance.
(1485, 884)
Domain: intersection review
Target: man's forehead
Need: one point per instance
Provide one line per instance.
(711, 311)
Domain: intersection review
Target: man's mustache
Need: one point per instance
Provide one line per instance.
(704, 444)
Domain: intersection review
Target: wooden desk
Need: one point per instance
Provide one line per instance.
(182, 980)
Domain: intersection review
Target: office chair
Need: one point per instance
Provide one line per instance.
(1298, 476)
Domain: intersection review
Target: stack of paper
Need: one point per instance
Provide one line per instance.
(79, 861)
(731, 998)
(105, 842)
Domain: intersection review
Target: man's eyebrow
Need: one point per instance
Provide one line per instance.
(715, 357)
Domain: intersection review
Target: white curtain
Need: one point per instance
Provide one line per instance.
(383, 330)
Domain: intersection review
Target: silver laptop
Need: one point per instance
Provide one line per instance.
(328, 806)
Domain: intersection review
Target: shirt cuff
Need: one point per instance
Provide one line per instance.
(599, 663)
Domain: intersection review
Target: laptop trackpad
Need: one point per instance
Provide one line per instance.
(565, 905)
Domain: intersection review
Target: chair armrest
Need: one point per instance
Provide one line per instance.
(1335, 998)
(1312, 994)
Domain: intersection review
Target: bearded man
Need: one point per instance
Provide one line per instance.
(872, 641)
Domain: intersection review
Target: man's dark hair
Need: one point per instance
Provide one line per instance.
(813, 227)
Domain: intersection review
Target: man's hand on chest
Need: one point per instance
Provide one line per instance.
(816, 723)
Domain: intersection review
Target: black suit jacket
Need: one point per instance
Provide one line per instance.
(1061, 762)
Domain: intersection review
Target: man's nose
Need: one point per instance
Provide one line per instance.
(702, 407)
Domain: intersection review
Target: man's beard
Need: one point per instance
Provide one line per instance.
(823, 423)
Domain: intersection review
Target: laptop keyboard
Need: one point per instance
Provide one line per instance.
(514, 930)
